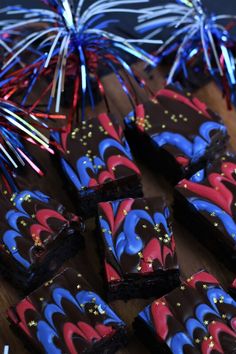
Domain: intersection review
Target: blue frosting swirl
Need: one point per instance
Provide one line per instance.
(226, 219)
(81, 177)
(46, 329)
(12, 216)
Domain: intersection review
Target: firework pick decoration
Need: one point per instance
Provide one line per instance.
(194, 33)
(17, 125)
(74, 42)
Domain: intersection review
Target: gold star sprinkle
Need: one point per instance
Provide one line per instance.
(32, 324)
(178, 304)
(182, 287)
(216, 224)
(138, 268)
(197, 340)
(211, 345)
(78, 286)
(144, 226)
(125, 212)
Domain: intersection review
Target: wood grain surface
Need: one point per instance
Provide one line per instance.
(192, 255)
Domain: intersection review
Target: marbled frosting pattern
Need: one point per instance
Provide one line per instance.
(30, 222)
(197, 317)
(95, 153)
(137, 236)
(213, 194)
(65, 316)
(179, 123)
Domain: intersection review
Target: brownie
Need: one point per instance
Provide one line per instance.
(97, 163)
(175, 133)
(66, 316)
(232, 289)
(137, 247)
(198, 317)
(37, 236)
(208, 201)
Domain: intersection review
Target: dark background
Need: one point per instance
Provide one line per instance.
(127, 22)
(218, 6)
(222, 6)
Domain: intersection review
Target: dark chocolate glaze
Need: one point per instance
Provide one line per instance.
(95, 153)
(65, 316)
(137, 237)
(178, 123)
(233, 289)
(197, 317)
(212, 194)
(32, 224)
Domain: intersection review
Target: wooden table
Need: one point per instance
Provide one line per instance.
(192, 255)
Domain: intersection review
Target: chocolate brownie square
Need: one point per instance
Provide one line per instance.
(175, 133)
(97, 164)
(137, 247)
(37, 236)
(206, 203)
(66, 316)
(197, 317)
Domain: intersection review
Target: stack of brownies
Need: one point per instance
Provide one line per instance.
(177, 136)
